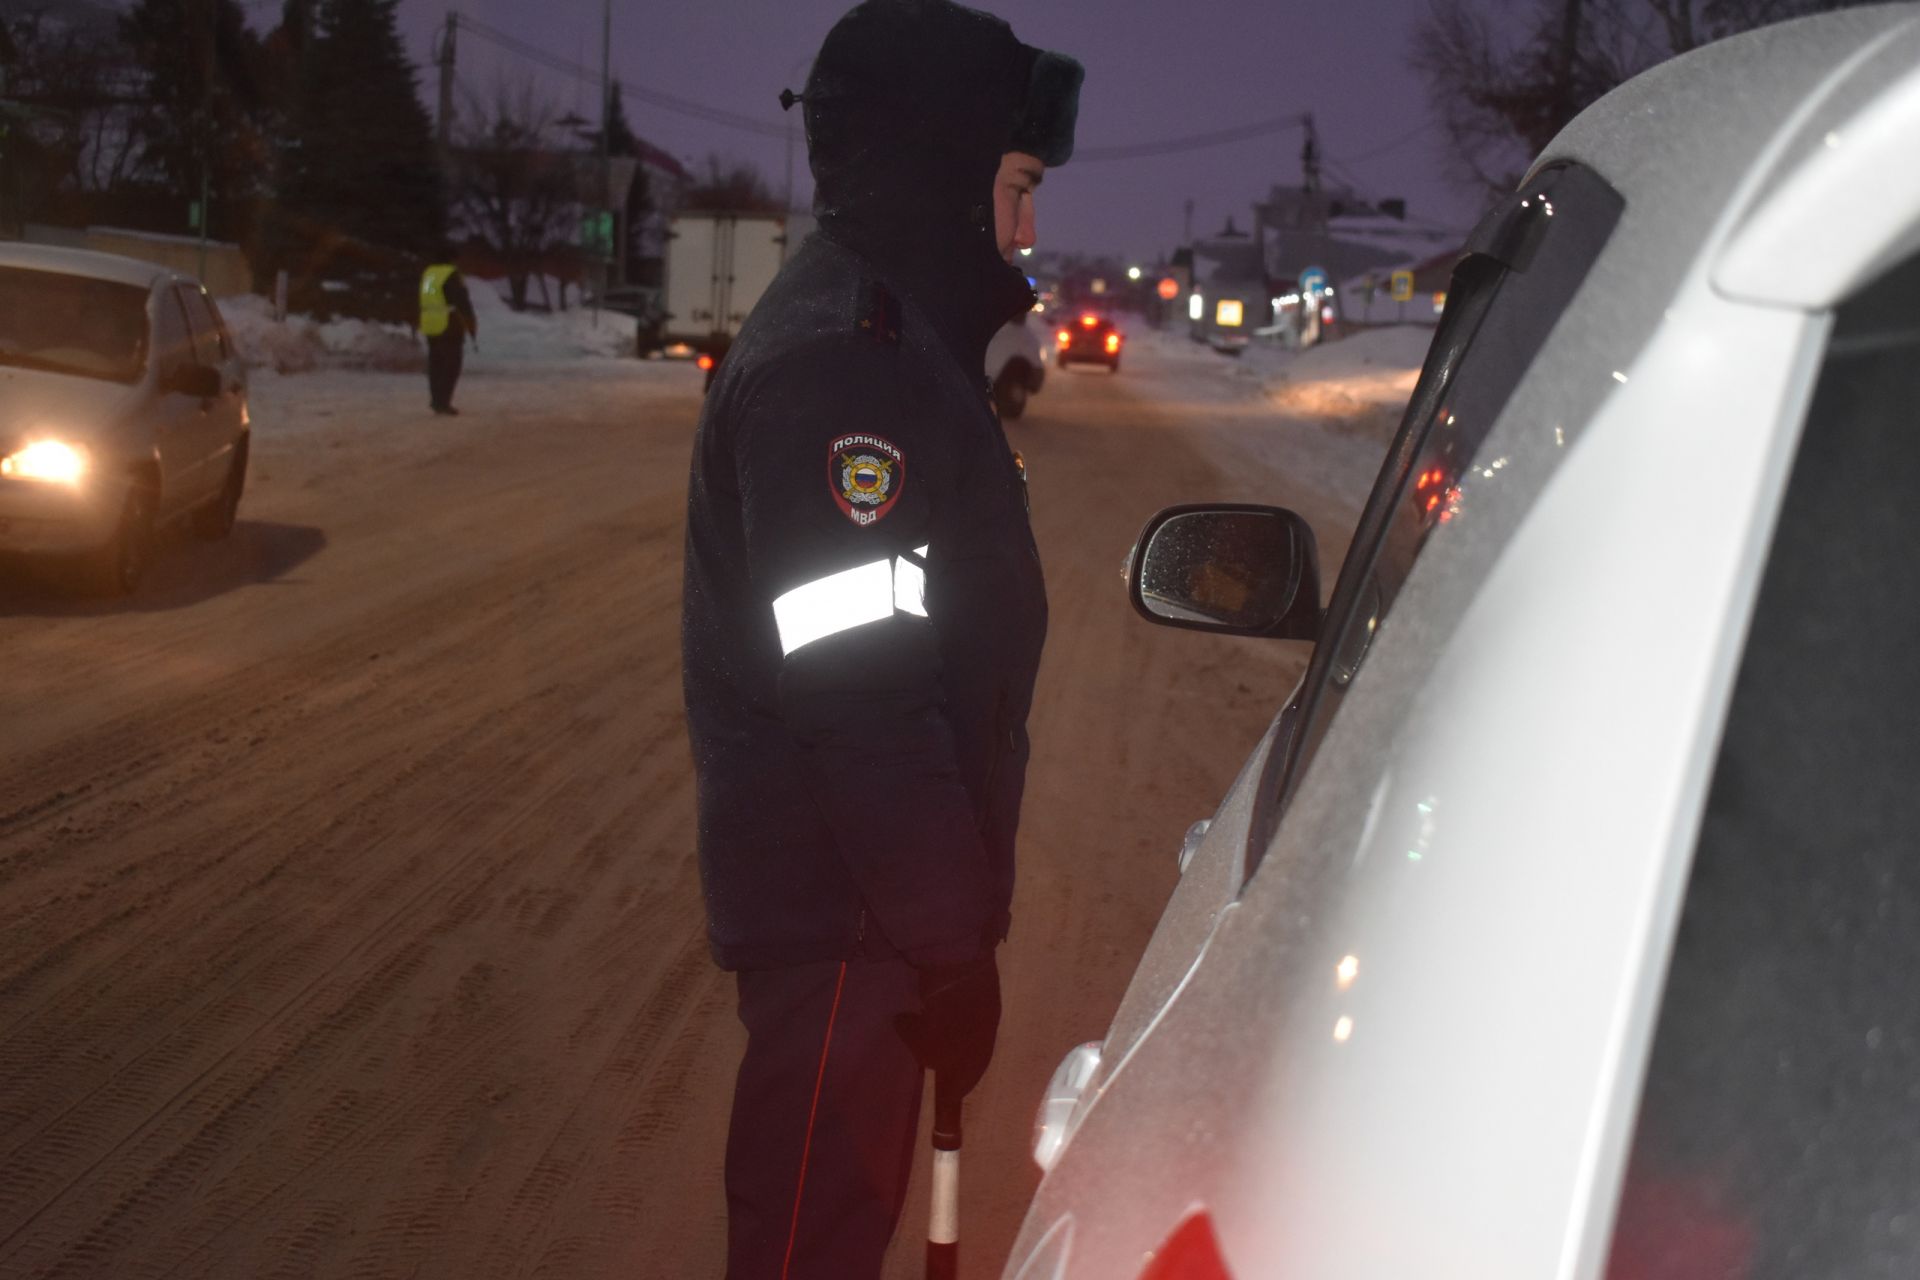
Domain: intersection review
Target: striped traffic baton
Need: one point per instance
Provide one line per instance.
(943, 1223)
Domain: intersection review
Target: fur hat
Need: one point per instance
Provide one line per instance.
(1053, 104)
(932, 72)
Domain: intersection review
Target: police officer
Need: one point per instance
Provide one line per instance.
(447, 320)
(863, 619)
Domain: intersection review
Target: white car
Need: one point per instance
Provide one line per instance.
(1566, 923)
(123, 407)
(1016, 367)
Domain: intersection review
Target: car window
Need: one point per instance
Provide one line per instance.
(72, 324)
(220, 326)
(1777, 1134)
(172, 336)
(207, 346)
(1521, 267)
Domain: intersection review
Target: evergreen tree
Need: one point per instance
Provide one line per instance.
(284, 55)
(200, 115)
(621, 140)
(358, 156)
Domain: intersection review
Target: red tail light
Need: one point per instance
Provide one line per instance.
(1113, 343)
(705, 361)
(1191, 1253)
(1087, 322)
(1064, 337)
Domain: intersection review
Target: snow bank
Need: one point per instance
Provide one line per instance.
(1359, 384)
(302, 345)
(1353, 385)
(513, 336)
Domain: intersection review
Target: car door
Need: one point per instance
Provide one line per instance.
(1521, 268)
(218, 424)
(1770, 1137)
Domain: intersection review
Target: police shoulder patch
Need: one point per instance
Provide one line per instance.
(865, 474)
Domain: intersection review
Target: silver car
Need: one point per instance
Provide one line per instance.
(123, 408)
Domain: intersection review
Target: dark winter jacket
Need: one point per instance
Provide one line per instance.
(863, 608)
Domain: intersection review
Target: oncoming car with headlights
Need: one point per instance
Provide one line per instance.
(123, 408)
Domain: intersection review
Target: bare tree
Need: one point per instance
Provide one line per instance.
(512, 187)
(67, 106)
(1504, 85)
(730, 186)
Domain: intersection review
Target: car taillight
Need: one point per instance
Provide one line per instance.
(705, 361)
(1087, 322)
(1192, 1252)
(1113, 343)
(1064, 337)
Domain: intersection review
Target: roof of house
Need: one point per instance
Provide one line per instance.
(1228, 261)
(657, 158)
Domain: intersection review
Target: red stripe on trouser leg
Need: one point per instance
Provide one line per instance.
(793, 1232)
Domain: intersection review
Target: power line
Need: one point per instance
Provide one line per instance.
(767, 129)
(1395, 145)
(1191, 142)
(640, 93)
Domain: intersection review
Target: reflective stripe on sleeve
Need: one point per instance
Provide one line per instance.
(910, 585)
(851, 598)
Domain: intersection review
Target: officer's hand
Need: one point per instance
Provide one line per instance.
(959, 1016)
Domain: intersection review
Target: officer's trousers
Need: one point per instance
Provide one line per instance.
(825, 1113)
(445, 355)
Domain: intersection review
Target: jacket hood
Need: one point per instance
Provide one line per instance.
(909, 108)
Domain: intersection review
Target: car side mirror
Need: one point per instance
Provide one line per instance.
(1239, 569)
(200, 381)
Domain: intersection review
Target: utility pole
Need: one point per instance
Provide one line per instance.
(444, 136)
(786, 109)
(1186, 234)
(1310, 158)
(206, 40)
(606, 142)
(6, 144)
(1312, 205)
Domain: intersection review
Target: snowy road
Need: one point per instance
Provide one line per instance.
(349, 923)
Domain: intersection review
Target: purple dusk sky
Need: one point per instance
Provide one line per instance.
(1155, 70)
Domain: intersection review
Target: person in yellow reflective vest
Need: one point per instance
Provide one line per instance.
(447, 321)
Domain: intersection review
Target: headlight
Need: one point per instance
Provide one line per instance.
(46, 460)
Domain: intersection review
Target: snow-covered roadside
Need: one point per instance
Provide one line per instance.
(1355, 385)
(1358, 385)
(507, 338)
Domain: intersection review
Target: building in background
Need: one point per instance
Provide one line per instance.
(1230, 296)
(1331, 255)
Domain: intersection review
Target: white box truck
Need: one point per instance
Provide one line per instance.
(718, 265)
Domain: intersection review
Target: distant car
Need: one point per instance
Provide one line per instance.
(123, 408)
(1564, 922)
(1087, 337)
(1016, 367)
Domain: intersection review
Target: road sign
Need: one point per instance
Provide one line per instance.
(1402, 285)
(596, 233)
(1313, 280)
